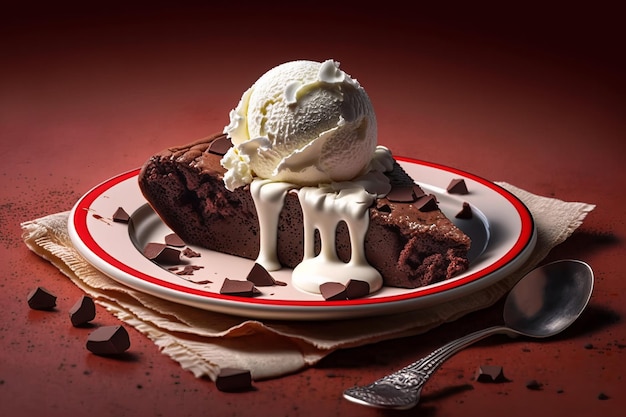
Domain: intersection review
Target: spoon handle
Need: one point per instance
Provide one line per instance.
(401, 389)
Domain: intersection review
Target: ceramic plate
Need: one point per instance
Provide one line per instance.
(502, 232)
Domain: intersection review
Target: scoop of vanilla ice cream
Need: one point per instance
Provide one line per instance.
(302, 122)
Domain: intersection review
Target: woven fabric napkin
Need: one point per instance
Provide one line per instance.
(203, 342)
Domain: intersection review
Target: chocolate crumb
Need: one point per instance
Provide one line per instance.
(41, 299)
(426, 203)
(588, 346)
(457, 186)
(490, 373)
(161, 253)
(333, 291)
(174, 240)
(603, 396)
(120, 216)
(233, 379)
(534, 385)
(220, 146)
(465, 213)
(83, 311)
(108, 340)
(357, 289)
(238, 287)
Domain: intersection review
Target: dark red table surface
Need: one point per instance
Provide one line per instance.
(531, 96)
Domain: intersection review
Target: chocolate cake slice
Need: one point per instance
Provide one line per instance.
(409, 240)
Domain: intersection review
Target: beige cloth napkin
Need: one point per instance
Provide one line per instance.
(203, 341)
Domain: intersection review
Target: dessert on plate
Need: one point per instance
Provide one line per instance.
(297, 179)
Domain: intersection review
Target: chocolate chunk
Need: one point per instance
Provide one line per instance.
(238, 287)
(108, 340)
(457, 186)
(534, 385)
(161, 253)
(418, 192)
(259, 276)
(405, 193)
(401, 194)
(190, 253)
(234, 379)
(465, 213)
(220, 146)
(83, 311)
(332, 291)
(120, 216)
(490, 373)
(357, 289)
(174, 240)
(189, 269)
(41, 299)
(426, 203)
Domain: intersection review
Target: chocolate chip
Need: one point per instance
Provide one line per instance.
(41, 299)
(108, 340)
(490, 373)
(120, 216)
(333, 291)
(238, 287)
(161, 253)
(465, 213)
(220, 146)
(426, 203)
(83, 311)
(357, 289)
(233, 379)
(174, 240)
(457, 186)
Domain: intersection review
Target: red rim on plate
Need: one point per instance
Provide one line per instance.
(525, 238)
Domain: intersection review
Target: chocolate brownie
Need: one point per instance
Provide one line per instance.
(409, 240)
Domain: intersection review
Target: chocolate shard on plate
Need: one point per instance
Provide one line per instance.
(108, 340)
(83, 311)
(333, 291)
(174, 240)
(120, 216)
(357, 289)
(239, 288)
(457, 186)
(161, 253)
(490, 373)
(220, 146)
(233, 379)
(426, 203)
(466, 212)
(41, 299)
(259, 276)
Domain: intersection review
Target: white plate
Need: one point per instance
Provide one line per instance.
(502, 231)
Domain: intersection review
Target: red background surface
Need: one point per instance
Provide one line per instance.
(529, 95)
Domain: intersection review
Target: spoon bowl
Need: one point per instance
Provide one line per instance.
(543, 303)
(549, 298)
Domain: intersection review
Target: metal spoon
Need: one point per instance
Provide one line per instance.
(543, 303)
